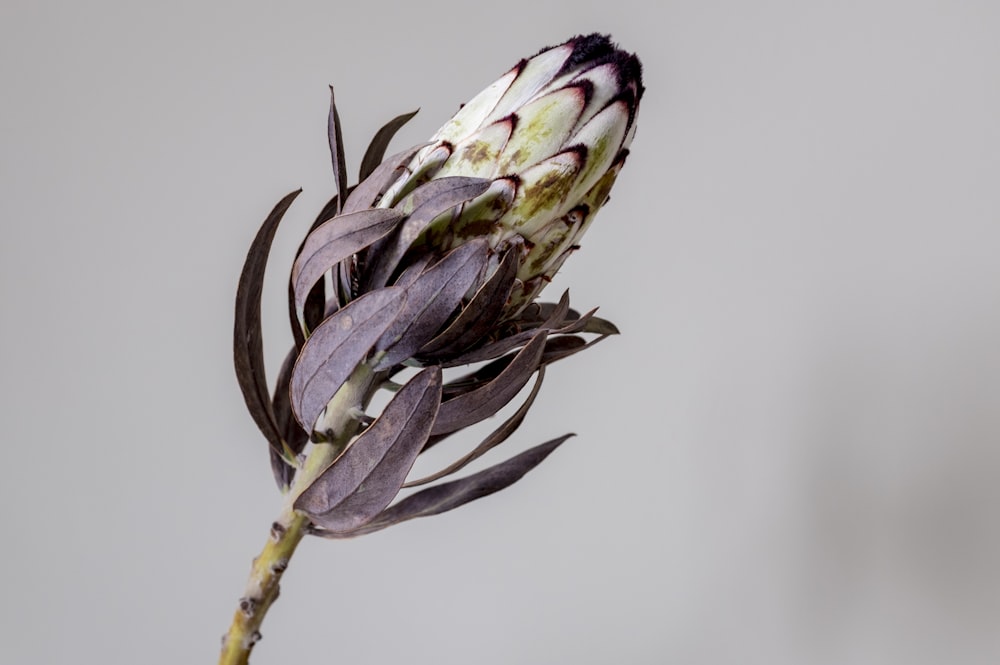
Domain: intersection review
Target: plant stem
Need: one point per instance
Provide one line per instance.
(288, 530)
(262, 587)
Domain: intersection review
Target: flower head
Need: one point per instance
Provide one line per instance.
(551, 136)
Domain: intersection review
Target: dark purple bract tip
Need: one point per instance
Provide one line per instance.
(595, 49)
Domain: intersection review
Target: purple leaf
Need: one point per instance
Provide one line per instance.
(336, 347)
(558, 314)
(414, 269)
(431, 300)
(376, 149)
(492, 350)
(283, 472)
(432, 199)
(485, 401)
(505, 344)
(335, 240)
(337, 149)
(369, 190)
(478, 378)
(448, 496)
(248, 345)
(564, 347)
(367, 476)
(466, 384)
(295, 437)
(479, 316)
(448, 191)
(538, 313)
(600, 326)
(315, 306)
(496, 437)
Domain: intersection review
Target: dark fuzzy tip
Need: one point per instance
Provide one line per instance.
(595, 49)
(630, 69)
(589, 48)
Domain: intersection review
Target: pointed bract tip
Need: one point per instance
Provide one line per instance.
(590, 48)
(596, 49)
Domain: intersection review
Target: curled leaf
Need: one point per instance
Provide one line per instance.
(248, 344)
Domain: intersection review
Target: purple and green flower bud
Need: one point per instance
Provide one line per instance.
(551, 134)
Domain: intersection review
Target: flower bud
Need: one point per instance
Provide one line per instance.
(552, 134)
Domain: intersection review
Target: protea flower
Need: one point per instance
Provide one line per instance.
(432, 261)
(551, 136)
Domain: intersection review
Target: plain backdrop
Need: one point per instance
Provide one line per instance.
(791, 454)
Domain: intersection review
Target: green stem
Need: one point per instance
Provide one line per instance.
(288, 530)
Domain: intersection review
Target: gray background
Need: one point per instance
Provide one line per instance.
(790, 456)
